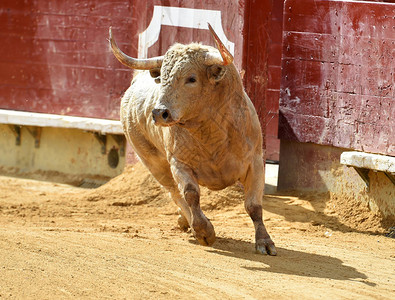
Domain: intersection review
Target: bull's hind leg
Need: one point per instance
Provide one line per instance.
(254, 184)
(202, 228)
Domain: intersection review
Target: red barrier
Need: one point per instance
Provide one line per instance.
(338, 74)
(55, 58)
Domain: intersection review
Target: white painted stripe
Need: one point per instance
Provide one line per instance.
(181, 17)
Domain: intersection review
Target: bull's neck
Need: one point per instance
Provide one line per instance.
(217, 119)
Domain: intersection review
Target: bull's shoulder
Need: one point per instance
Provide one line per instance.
(141, 94)
(253, 126)
(137, 105)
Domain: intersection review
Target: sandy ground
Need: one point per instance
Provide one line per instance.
(121, 241)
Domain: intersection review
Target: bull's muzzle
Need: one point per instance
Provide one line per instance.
(162, 117)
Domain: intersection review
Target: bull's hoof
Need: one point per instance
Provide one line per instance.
(183, 223)
(204, 240)
(204, 232)
(265, 246)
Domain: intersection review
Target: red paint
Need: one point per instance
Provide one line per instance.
(55, 57)
(338, 82)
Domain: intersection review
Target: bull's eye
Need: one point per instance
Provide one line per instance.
(191, 79)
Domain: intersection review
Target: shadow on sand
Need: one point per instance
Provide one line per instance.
(288, 261)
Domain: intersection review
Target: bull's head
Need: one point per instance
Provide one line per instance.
(186, 74)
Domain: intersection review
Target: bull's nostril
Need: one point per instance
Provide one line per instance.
(161, 115)
(165, 115)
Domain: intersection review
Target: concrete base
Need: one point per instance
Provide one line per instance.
(306, 167)
(271, 178)
(364, 160)
(71, 154)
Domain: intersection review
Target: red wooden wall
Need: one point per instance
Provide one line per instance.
(274, 80)
(339, 74)
(55, 58)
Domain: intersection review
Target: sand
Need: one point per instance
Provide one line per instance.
(121, 240)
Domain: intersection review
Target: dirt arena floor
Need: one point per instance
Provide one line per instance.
(120, 241)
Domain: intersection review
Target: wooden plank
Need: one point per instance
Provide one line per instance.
(274, 80)
(310, 46)
(256, 56)
(339, 17)
(317, 16)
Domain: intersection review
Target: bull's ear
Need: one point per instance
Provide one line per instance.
(155, 73)
(215, 73)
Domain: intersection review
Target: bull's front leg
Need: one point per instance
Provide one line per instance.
(201, 227)
(254, 184)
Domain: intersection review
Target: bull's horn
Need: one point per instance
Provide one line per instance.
(226, 57)
(134, 63)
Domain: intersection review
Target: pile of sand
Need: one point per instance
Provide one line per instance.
(357, 215)
(136, 186)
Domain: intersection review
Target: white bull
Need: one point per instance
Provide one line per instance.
(191, 123)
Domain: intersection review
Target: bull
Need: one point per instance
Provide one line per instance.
(191, 123)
